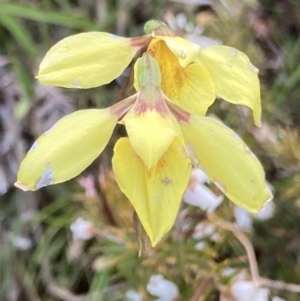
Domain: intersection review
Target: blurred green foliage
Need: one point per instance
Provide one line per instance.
(55, 267)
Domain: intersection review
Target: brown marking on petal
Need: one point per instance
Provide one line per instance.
(149, 173)
(140, 42)
(167, 181)
(161, 163)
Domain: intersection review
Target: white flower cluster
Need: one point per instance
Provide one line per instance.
(199, 195)
(157, 286)
(205, 230)
(242, 289)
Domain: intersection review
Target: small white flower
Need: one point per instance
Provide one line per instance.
(27, 216)
(203, 230)
(132, 295)
(83, 229)
(243, 290)
(202, 197)
(243, 218)
(200, 176)
(20, 242)
(277, 299)
(228, 272)
(162, 288)
(181, 20)
(197, 194)
(266, 212)
(201, 245)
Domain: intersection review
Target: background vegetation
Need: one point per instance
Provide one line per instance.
(39, 259)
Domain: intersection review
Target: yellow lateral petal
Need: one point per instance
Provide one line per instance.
(150, 134)
(66, 149)
(234, 76)
(228, 162)
(86, 60)
(155, 194)
(197, 92)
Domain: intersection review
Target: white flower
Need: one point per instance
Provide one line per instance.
(277, 299)
(20, 242)
(27, 216)
(201, 245)
(266, 212)
(243, 218)
(83, 229)
(197, 194)
(162, 288)
(203, 230)
(228, 272)
(243, 290)
(200, 176)
(181, 20)
(132, 295)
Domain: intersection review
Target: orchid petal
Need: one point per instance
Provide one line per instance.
(156, 193)
(234, 76)
(197, 92)
(66, 149)
(150, 135)
(87, 60)
(227, 161)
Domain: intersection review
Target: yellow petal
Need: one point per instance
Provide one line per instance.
(190, 87)
(86, 60)
(155, 194)
(197, 92)
(228, 161)
(185, 51)
(234, 76)
(66, 149)
(150, 134)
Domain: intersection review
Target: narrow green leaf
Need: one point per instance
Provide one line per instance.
(32, 13)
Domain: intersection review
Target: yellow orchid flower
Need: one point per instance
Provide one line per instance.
(152, 166)
(193, 76)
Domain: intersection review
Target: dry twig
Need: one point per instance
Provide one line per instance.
(244, 240)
